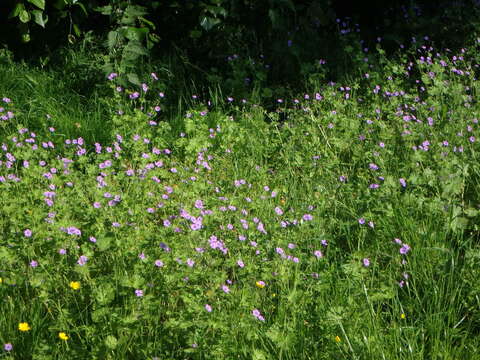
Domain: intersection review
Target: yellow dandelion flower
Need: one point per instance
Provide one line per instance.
(75, 285)
(403, 316)
(63, 336)
(337, 339)
(260, 284)
(24, 326)
(1, 280)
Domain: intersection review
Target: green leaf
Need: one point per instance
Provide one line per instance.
(133, 78)
(6, 256)
(258, 355)
(82, 7)
(24, 16)
(133, 33)
(382, 294)
(459, 224)
(39, 18)
(105, 294)
(59, 4)
(111, 342)
(26, 37)
(135, 11)
(195, 34)
(154, 38)
(146, 22)
(38, 3)
(208, 22)
(114, 38)
(99, 315)
(77, 30)
(17, 10)
(471, 212)
(136, 48)
(104, 243)
(104, 10)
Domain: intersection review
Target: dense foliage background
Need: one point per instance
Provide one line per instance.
(280, 41)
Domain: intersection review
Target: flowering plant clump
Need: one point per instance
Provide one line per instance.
(216, 234)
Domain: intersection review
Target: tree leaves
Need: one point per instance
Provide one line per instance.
(38, 3)
(39, 18)
(24, 16)
(208, 22)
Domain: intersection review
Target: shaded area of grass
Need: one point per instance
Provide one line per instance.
(47, 98)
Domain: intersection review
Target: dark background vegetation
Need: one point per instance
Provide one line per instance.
(236, 45)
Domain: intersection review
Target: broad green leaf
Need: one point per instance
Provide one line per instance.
(39, 18)
(38, 3)
(36, 281)
(459, 223)
(135, 11)
(25, 37)
(146, 22)
(105, 294)
(471, 212)
(136, 48)
(114, 38)
(104, 243)
(133, 33)
(17, 10)
(104, 10)
(133, 78)
(208, 22)
(24, 16)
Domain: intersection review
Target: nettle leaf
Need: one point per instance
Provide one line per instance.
(39, 18)
(146, 22)
(136, 34)
(135, 47)
(38, 3)
(104, 10)
(135, 10)
(114, 38)
(133, 78)
(132, 13)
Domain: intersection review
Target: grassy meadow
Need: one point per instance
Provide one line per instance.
(342, 224)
